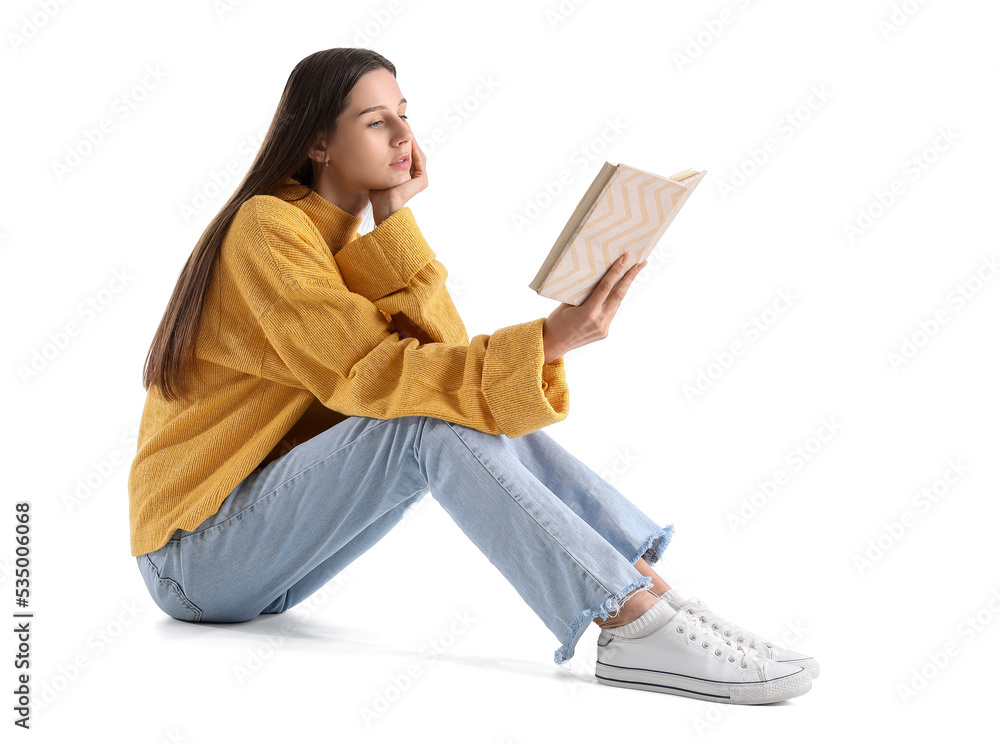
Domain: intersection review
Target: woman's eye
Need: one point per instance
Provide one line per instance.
(404, 116)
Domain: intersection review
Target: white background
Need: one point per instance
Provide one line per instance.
(893, 77)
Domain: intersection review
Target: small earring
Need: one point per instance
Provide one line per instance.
(327, 162)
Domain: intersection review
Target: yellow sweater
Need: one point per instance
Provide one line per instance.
(296, 336)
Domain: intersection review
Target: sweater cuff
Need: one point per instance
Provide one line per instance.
(384, 260)
(523, 393)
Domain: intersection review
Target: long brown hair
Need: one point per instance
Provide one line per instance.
(316, 94)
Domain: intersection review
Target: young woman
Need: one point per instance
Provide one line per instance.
(307, 384)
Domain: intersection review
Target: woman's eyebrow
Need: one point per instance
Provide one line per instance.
(377, 108)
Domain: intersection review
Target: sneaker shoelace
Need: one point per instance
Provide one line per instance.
(734, 633)
(695, 627)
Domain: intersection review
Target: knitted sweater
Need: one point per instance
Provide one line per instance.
(296, 335)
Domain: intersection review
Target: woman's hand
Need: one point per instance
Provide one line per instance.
(386, 201)
(408, 329)
(572, 326)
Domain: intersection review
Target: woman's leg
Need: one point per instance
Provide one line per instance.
(659, 585)
(618, 520)
(321, 575)
(564, 567)
(291, 526)
(593, 498)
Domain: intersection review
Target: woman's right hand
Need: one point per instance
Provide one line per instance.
(408, 329)
(387, 201)
(572, 326)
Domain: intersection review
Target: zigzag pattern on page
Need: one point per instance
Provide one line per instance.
(571, 271)
(661, 200)
(577, 270)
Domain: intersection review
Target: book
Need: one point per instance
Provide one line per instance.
(625, 209)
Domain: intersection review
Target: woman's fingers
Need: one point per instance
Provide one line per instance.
(408, 329)
(569, 327)
(418, 163)
(600, 294)
(608, 301)
(386, 201)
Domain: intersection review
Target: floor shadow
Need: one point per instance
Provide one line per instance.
(314, 637)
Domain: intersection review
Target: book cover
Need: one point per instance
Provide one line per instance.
(625, 209)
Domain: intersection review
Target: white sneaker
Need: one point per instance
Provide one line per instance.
(687, 657)
(742, 637)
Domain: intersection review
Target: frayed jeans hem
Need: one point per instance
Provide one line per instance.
(651, 551)
(580, 625)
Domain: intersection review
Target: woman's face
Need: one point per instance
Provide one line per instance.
(368, 141)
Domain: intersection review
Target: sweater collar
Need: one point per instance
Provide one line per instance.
(337, 227)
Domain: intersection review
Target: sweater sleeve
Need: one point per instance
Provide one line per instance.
(395, 268)
(338, 345)
(386, 259)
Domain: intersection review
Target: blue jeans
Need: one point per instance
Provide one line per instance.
(564, 538)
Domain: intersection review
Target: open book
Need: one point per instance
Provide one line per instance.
(625, 209)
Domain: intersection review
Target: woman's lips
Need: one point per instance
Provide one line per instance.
(404, 163)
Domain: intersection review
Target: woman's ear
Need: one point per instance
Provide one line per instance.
(317, 151)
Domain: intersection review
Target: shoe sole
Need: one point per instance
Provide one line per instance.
(809, 665)
(735, 693)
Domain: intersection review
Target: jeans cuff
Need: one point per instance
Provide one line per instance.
(652, 550)
(580, 625)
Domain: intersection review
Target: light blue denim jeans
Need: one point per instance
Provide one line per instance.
(564, 538)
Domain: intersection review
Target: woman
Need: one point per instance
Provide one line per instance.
(307, 384)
